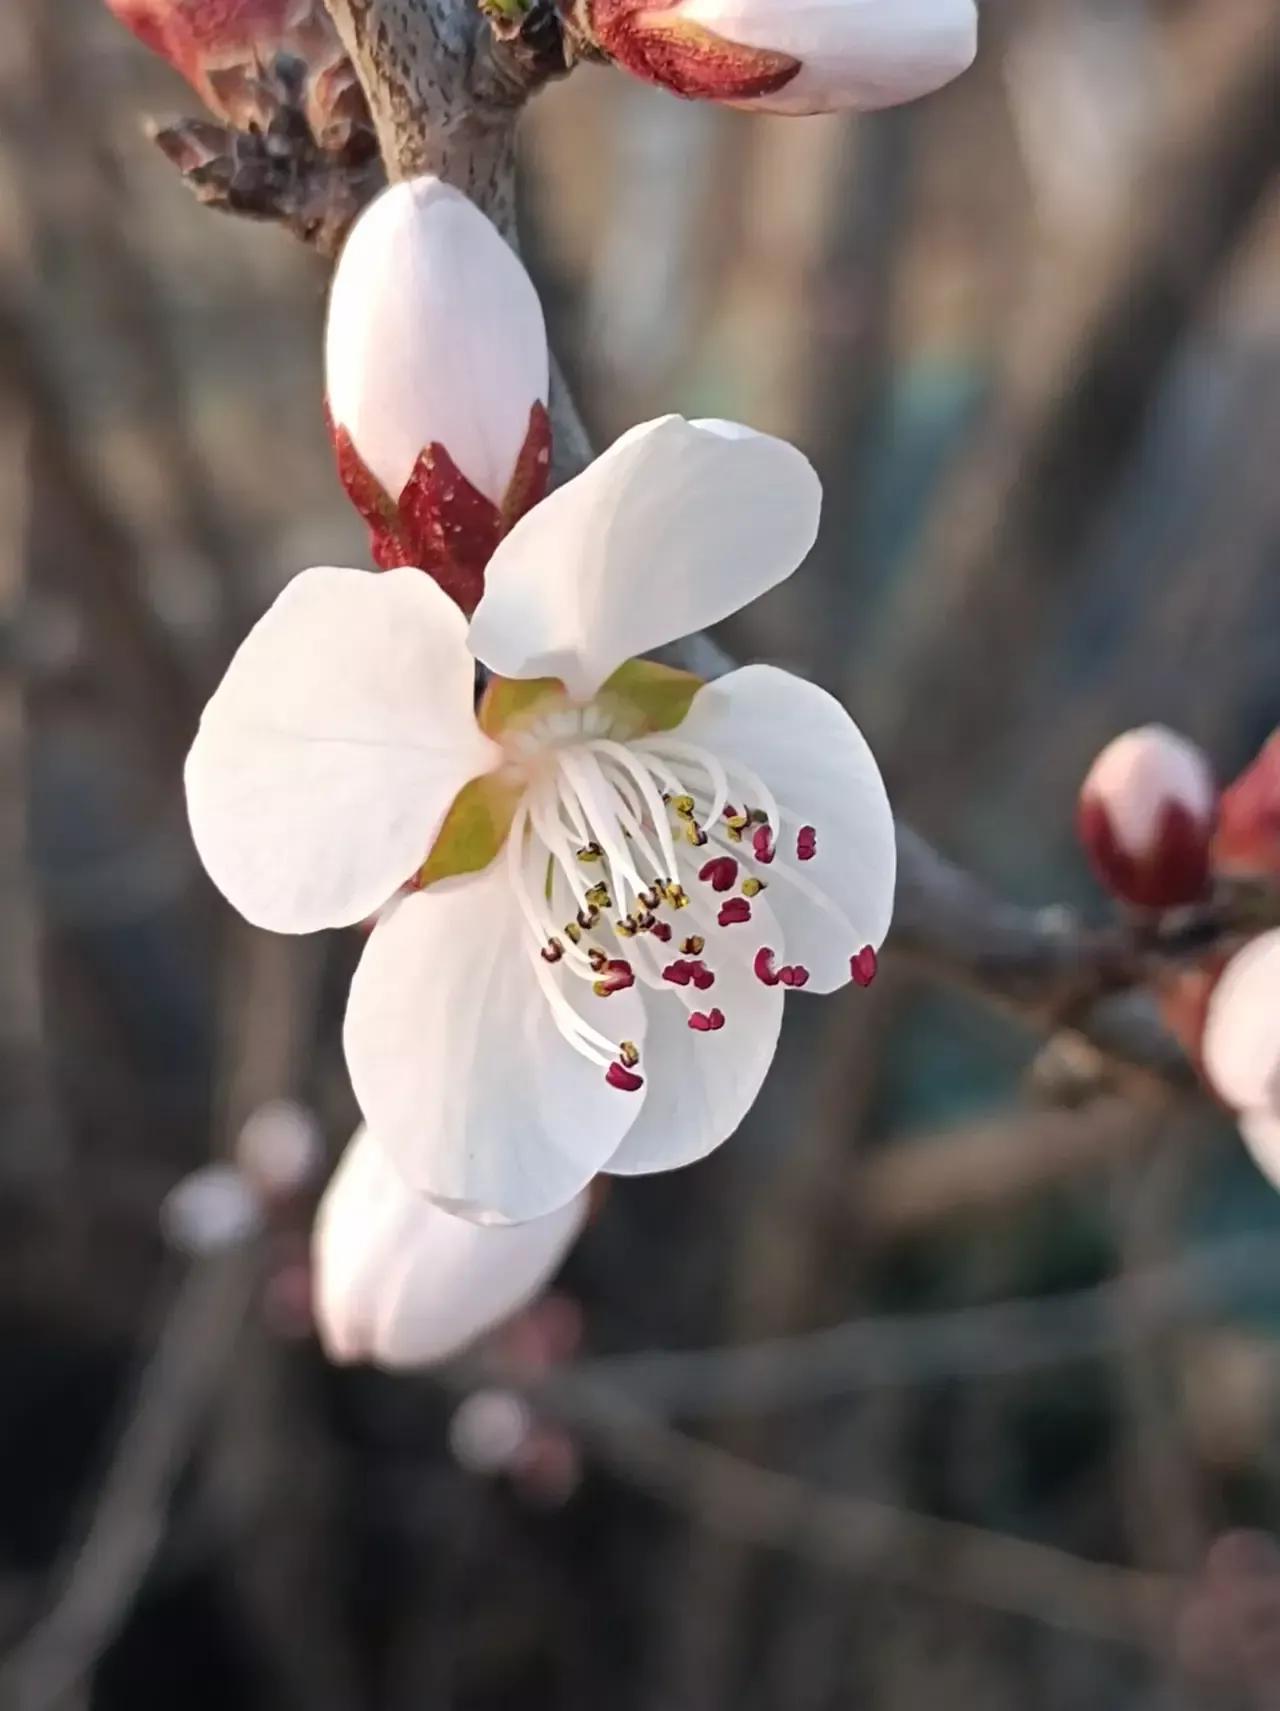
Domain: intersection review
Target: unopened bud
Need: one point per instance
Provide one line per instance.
(210, 1210)
(1247, 844)
(437, 376)
(1146, 817)
(822, 56)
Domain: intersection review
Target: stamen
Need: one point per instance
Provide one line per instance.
(864, 966)
(752, 887)
(762, 844)
(661, 931)
(619, 976)
(678, 973)
(590, 853)
(617, 1075)
(796, 976)
(707, 1022)
(720, 873)
(694, 946)
(734, 912)
(629, 1053)
(763, 967)
(806, 843)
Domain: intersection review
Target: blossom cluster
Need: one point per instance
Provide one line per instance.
(588, 881)
(1162, 837)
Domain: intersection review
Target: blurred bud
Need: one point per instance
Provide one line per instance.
(401, 1283)
(210, 1210)
(1229, 1632)
(227, 49)
(437, 374)
(821, 57)
(1248, 840)
(489, 1430)
(279, 1148)
(1146, 816)
(1240, 1052)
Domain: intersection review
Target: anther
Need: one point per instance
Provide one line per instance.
(619, 977)
(573, 932)
(796, 976)
(678, 973)
(598, 897)
(629, 1052)
(645, 922)
(763, 967)
(752, 887)
(597, 959)
(734, 912)
(588, 919)
(617, 1075)
(590, 853)
(762, 844)
(863, 966)
(720, 873)
(625, 928)
(694, 946)
(683, 806)
(552, 951)
(661, 931)
(695, 834)
(707, 1021)
(806, 843)
(701, 976)
(677, 896)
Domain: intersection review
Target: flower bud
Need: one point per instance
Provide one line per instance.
(226, 48)
(401, 1283)
(1247, 844)
(1240, 1052)
(1146, 817)
(437, 374)
(823, 56)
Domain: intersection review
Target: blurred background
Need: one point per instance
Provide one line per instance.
(1029, 331)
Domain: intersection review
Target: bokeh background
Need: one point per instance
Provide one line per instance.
(1029, 331)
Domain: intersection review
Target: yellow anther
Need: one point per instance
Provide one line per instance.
(752, 887)
(629, 1054)
(573, 932)
(598, 897)
(590, 853)
(677, 897)
(693, 946)
(602, 988)
(625, 929)
(683, 806)
(736, 822)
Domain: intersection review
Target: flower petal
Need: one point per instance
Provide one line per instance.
(459, 1067)
(702, 1084)
(854, 54)
(807, 750)
(435, 335)
(1260, 1131)
(401, 1283)
(331, 752)
(675, 527)
(1241, 1048)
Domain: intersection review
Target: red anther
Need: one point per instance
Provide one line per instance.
(734, 912)
(762, 844)
(707, 1021)
(796, 975)
(721, 873)
(863, 966)
(764, 969)
(623, 1079)
(701, 976)
(617, 976)
(806, 843)
(730, 812)
(661, 930)
(678, 973)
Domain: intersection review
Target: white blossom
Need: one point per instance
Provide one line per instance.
(1241, 1046)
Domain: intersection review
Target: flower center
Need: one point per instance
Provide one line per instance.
(633, 862)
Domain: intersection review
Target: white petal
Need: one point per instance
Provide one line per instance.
(1261, 1133)
(333, 748)
(807, 750)
(859, 54)
(701, 1086)
(435, 333)
(1241, 1047)
(675, 527)
(401, 1283)
(457, 1063)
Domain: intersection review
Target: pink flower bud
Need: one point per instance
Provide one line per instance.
(1146, 817)
(1248, 840)
(822, 56)
(1240, 1052)
(437, 374)
(223, 46)
(402, 1283)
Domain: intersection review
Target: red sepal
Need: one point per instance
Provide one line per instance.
(686, 57)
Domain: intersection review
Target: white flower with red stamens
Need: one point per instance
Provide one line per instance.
(791, 56)
(1146, 816)
(436, 378)
(1240, 1050)
(400, 1283)
(563, 992)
